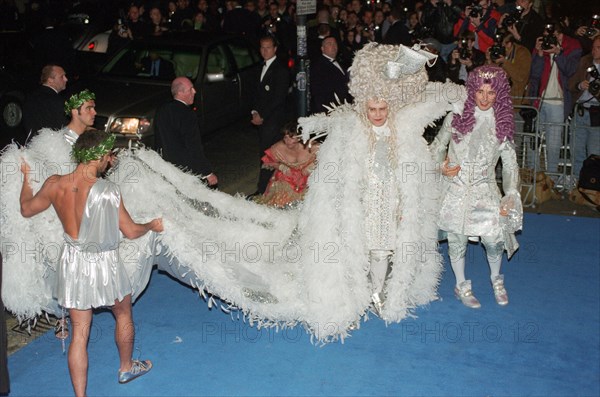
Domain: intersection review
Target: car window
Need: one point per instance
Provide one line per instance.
(216, 61)
(139, 62)
(187, 64)
(123, 63)
(244, 55)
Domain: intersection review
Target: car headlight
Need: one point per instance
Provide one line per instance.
(130, 125)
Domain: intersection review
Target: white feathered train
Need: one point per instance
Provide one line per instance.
(217, 243)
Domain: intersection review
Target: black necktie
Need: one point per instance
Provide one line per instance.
(263, 70)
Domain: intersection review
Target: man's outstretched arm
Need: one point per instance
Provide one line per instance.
(133, 230)
(32, 205)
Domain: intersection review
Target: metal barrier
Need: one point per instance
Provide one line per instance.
(530, 145)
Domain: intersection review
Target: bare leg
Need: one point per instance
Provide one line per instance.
(124, 332)
(81, 321)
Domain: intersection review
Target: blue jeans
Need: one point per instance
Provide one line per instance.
(585, 140)
(552, 113)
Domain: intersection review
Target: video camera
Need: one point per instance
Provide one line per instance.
(594, 26)
(122, 26)
(513, 18)
(497, 50)
(548, 39)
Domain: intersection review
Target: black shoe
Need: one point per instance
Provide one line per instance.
(254, 195)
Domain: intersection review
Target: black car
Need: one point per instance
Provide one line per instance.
(127, 95)
(11, 107)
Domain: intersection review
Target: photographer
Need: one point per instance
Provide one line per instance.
(398, 32)
(440, 16)
(274, 25)
(369, 27)
(127, 29)
(481, 19)
(585, 89)
(587, 33)
(464, 58)
(528, 27)
(554, 61)
(515, 60)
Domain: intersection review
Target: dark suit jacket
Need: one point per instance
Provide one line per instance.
(4, 378)
(165, 69)
(44, 108)
(241, 21)
(398, 34)
(327, 81)
(178, 135)
(270, 100)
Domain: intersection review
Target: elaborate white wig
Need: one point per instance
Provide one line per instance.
(390, 73)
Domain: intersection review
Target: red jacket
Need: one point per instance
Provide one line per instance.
(485, 31)
(566, 62)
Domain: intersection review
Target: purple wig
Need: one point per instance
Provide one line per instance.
(503, 107)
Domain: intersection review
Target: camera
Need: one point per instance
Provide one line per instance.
(513, 18)
(497, 50)
(273, 22)
(122, 27)
(548, 39)
(594, 87)
(594, 26)
(463, 51)
(476, 11)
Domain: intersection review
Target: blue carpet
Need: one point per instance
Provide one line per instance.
(545, 342)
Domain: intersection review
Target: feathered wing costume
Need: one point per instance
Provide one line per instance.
(217, 243)
(31, 246)
(306, 265)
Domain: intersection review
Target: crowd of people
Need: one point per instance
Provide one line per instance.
(538, 43)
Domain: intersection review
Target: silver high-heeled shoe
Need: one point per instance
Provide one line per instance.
(464, 293)
(499, 290)
(378, 299)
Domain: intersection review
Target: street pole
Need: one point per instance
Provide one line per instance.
(303, 8)
(302, 75)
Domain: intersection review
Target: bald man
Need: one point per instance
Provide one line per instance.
(178, 133)
(44, 107)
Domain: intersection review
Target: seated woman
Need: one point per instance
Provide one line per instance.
(292, 161)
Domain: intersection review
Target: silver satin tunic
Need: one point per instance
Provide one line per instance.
(381, 200)
(471, 201)
(90, 272)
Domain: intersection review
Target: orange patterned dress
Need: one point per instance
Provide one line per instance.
(288, 183)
